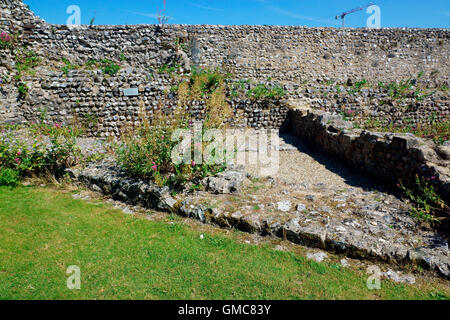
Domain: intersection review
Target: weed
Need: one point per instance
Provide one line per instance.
(109, 67)
(23, 90)
(68, 66)
(122, 56)
(262, 92)
(426, 202)
(26, 61)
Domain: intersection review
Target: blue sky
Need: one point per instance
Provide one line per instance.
(394, 13)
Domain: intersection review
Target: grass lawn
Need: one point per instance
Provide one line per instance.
(43, 231)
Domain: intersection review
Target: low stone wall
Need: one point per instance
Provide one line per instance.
(375, 104)
(385, 156)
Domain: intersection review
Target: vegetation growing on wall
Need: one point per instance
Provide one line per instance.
(146, 152)
(262, 91)
(402, 96)
(6, 40)
(68, 66)
(435, 130)
(26, 60)
(107, 66)
(23, 90)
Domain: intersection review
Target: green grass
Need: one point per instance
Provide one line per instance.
(43, 231)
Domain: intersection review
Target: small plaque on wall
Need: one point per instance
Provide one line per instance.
(130, 92)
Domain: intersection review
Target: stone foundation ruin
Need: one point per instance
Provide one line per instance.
(325, 74)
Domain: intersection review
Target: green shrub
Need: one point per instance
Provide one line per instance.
(146, 154)
(9, 177)
(35, 156)
(209, 85)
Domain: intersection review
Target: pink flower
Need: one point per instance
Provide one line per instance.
(349, 112)
(17, 160)
(154, 167)
(433, 178)
(19, 153)
(193, 163)
(58, 125)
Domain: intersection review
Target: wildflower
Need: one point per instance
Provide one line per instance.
(433, 178)
(58, 125)
(17, 160)
(154, 167)
(19, 153)
(193, 163)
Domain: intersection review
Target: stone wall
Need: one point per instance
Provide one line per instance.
(374, 106)
(284, 53)
(387, 157)
(291, 56)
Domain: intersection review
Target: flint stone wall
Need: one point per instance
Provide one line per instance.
(387, 157)
(288, 55)
(285, 53)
